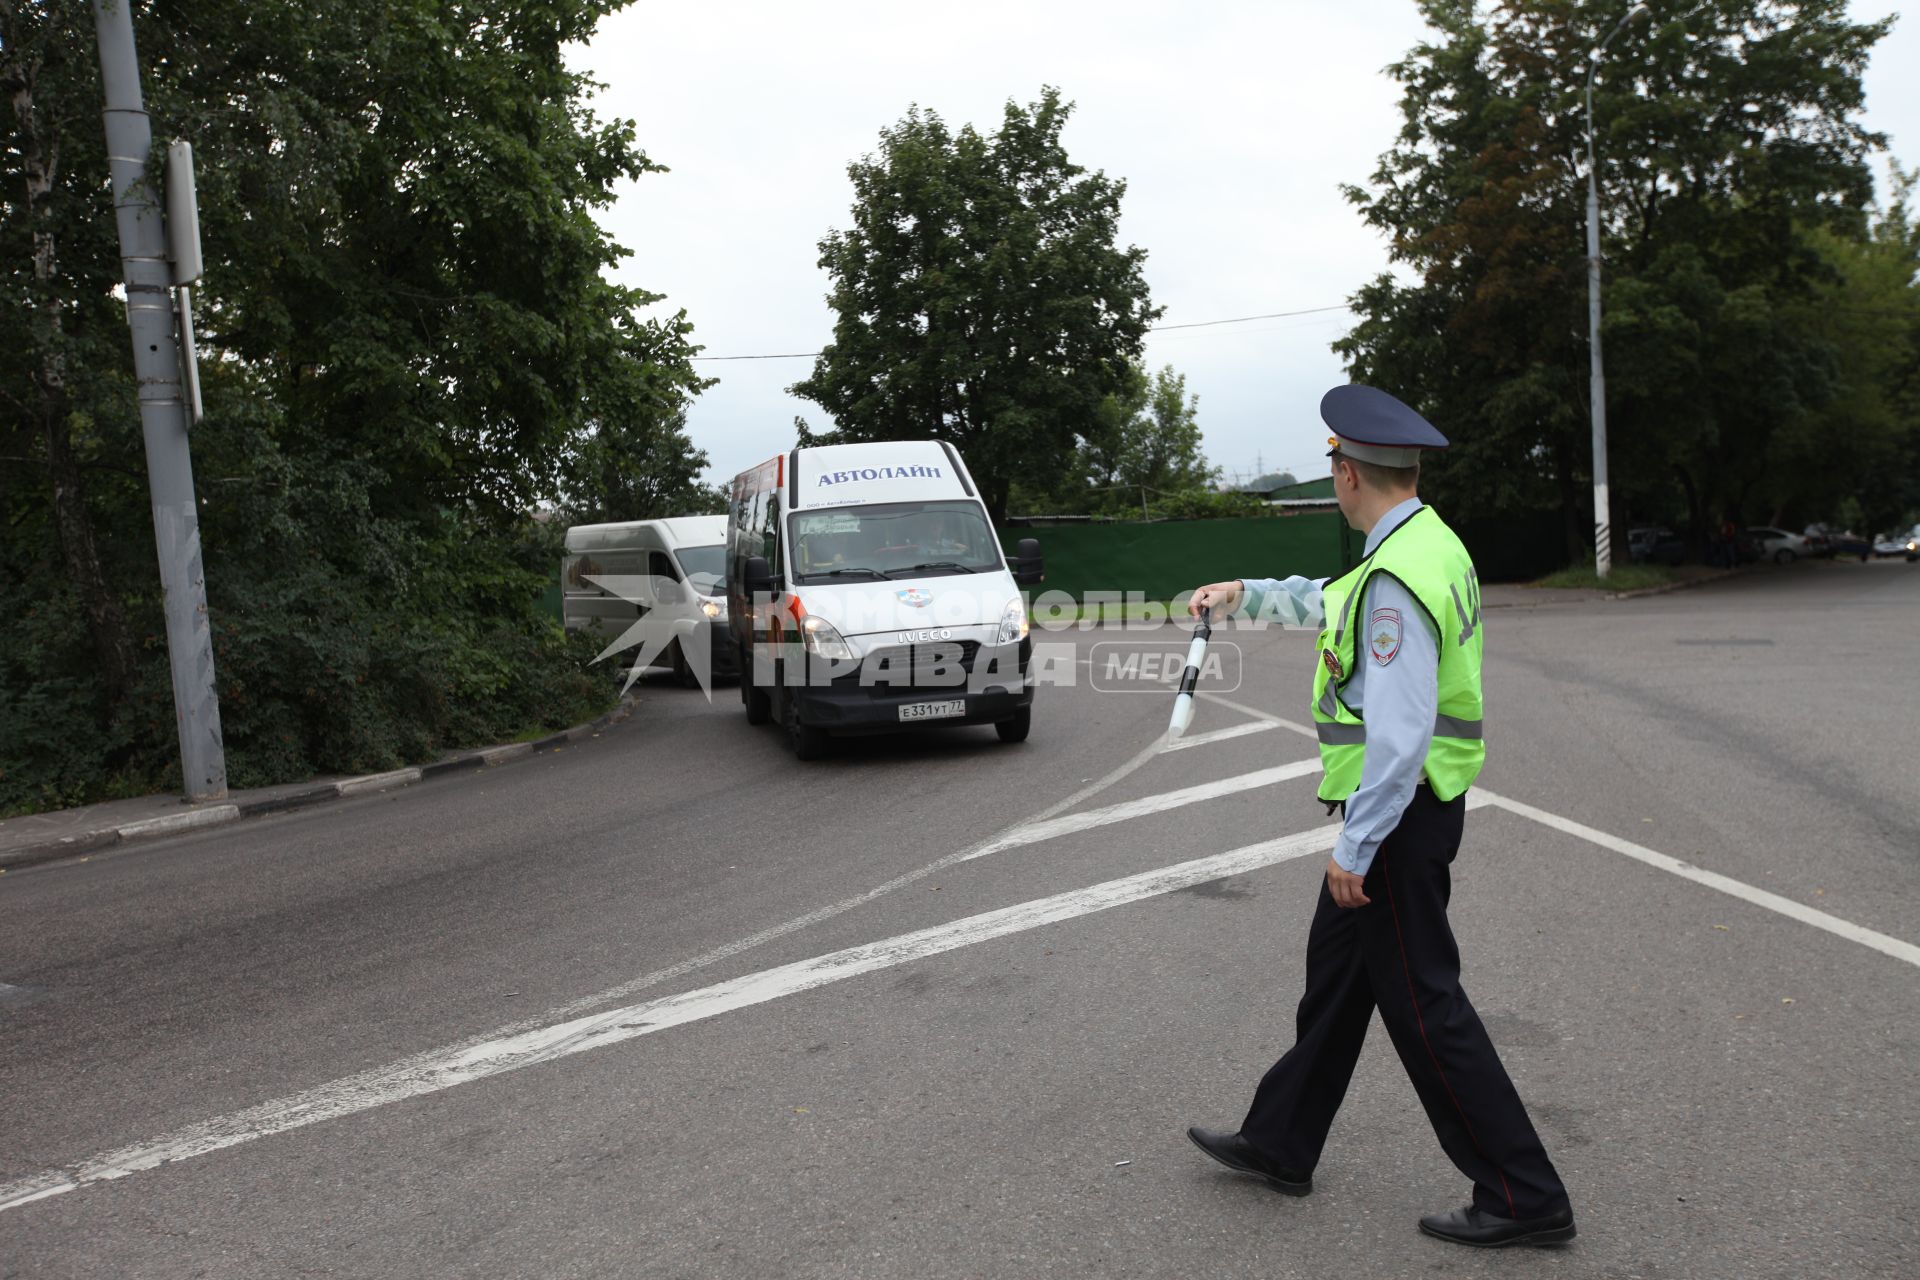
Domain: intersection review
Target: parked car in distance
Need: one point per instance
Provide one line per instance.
(1906, 544)
(1655, 545)
(1777, 544)
(1845, 542)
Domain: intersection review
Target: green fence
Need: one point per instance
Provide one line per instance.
(1515, 548)
(1172, 557)
(1162, 559)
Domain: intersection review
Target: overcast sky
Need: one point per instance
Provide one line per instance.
(1233, 123)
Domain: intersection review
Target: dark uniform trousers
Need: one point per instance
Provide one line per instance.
(1397, 954)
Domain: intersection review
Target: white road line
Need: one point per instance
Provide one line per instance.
(546, 1044)
(632, 987)
(1886, 945)
(1221, 735)
(832, 909)
(392, 1082)
(1126, 810)
(1880, 942)
(1264, 717)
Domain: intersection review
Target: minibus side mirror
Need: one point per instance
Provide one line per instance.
(757, 578)
(667, 592)
(1027, 568)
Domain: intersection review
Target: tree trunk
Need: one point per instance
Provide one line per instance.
(993, 491)
(1570, 508)
(1696, 517)
(106, 619)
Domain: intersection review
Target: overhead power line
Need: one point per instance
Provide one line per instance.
(1159, 328)
(1274, 315)
(781, 355)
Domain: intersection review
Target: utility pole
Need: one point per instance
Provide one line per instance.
(1597, 386)
(163, 411)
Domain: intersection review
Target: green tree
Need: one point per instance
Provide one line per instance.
(1269, 482)
(1863, 442)
(634, 462)
(408, 341)
(1143, 439)
(980, 295)
(1727, 141)
(1163, 439)
(1106, 441)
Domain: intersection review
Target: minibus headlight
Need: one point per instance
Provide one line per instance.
(1013, 622)
(823, 639)
(715, 610)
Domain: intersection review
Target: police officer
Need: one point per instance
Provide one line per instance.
(1397, 706)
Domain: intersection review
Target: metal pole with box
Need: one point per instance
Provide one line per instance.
(164, 413)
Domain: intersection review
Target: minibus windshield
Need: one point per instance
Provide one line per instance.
(705, 567)
(892, 540)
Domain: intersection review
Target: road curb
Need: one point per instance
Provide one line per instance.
(1545, 595)
(1685, 585)
(214, 815)
(293, 800)
(211, 816)
(377, 781)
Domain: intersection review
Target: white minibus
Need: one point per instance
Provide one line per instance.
(684, 556)
(868, 593)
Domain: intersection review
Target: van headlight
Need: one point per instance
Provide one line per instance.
(714, 610)
(1013, 622)
(823, 639)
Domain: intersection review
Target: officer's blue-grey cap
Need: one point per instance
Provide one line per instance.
(1372, 426)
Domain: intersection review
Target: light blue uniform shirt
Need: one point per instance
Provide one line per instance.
(1398, 698)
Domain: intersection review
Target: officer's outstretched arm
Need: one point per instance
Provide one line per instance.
(1292, 602)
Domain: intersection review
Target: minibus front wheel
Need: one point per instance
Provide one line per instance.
(759, 705)
(1016, 729)
(810, 742)
(682, 669)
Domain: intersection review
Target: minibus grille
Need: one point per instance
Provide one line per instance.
(925, 659)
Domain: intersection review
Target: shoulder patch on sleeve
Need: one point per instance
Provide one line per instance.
(1383, 635)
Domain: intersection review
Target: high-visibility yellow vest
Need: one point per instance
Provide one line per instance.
(1425, 557)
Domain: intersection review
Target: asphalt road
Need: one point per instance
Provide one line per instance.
(1728, 1090)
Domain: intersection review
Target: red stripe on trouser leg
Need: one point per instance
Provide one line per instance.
(1414, 997)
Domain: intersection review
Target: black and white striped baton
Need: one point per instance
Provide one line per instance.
(1196, 653)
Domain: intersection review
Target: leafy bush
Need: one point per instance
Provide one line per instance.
(1207, 504)
(343, 643)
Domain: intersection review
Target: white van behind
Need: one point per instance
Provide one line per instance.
(867, 593)
(685, 556)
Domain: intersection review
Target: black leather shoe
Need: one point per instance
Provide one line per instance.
(1235, 1152)
(1473, 1225)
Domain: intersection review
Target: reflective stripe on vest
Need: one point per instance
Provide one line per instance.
(1430, 562)
(1443, 727)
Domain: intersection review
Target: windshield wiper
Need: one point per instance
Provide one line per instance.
(937, 564)
(859, 568)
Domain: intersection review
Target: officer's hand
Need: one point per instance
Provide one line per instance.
(1221, 597)
(1345, 886)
